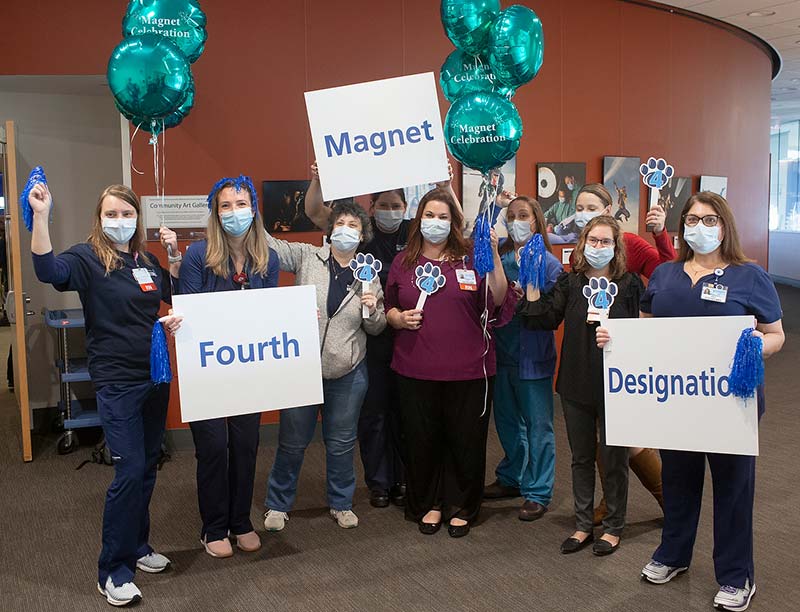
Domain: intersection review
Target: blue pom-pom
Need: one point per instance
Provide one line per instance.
(160, 370)
(747, 371)
(532, 268)
(36, 177)
(238, 183)
(482, 245)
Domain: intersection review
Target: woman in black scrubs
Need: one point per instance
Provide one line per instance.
(710, 252)
(121, 287)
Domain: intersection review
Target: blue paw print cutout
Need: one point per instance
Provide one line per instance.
(429, 278)
(365, 267)
(600, 292)
(656, 172)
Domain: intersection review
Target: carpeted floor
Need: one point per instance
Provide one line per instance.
(51, 535)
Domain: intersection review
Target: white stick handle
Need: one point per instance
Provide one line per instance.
(364, 307)
(421, 301)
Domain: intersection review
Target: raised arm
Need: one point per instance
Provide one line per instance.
(315, 207)
(290, 254)
(48, 267)
(545, 311)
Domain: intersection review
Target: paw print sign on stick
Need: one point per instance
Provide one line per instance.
(600, 293)
(429, 279)
(365, 269)
(656, 173)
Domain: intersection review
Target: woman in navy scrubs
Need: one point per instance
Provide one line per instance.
(121, 287)
(234, 256)
(710, 254)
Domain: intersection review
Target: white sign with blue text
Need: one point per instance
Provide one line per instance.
(377, 136)
(241, 352)
(666, 385)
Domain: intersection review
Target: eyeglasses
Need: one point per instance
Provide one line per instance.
(708, 220)
(604, 242)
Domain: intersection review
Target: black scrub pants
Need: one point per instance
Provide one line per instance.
(444, 438)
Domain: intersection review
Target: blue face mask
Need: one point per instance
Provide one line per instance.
(702, 239)
(435, 231)
(345, 239)
(598, 258)
(119, 231)
(520, 231)
(237, 222)
(584, 216)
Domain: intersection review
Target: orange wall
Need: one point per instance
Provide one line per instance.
(618, 79)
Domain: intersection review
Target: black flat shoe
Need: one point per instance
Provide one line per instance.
(397, 495)
(458, 531)
(573, 545)
(602, 547)
(429, 528)
(379, 498)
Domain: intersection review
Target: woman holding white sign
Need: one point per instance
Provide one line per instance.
(598, 286)
(234, 256)
(712, 277)
(444, 357)
(121, 287)
(343, 329)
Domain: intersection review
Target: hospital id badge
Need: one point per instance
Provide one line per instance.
(467, 280)
(142, 276)
(714, 292)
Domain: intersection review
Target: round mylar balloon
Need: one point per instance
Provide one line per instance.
(181, 21)
(483, 130)
(156, 126)
(516, 46)
(149, 76)
(463, 74)
(467, 22)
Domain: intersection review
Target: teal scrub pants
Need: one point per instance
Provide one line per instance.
(523, 416)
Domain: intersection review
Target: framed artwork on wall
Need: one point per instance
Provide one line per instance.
(673, 197)
(622, 179)
(715, 184)
(284, 206)
(479, 191)
(557, 186)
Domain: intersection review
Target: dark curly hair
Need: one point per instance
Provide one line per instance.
(341, 209)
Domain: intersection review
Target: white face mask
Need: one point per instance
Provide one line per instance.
(520, 231)
(121, 230)
(584, 216)
(345, 239)
(388, 220)
(702, 239)
(435, 231)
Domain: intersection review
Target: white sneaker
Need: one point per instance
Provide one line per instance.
(120, 596)
(275, 520)
(347, 519)
(734, 599)
(658, 573)
(153, 563)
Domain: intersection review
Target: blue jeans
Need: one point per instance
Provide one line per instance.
(343, 398)
(133, 417)
(523, 416)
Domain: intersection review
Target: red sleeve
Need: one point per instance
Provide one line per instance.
(664, 246)
(642, 257)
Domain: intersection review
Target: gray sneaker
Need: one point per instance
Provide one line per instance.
(153, 563)
(734, 599)
(658, 573)
(120, 596)
(275, 520)
(347, 519)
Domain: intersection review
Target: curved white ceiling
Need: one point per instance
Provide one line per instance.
(775, 21)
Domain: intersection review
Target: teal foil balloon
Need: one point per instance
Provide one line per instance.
(149, 76)
(463, 74)
(483, 130)
(181, 21)
(174, 119)
(467, 23)
(516, 46)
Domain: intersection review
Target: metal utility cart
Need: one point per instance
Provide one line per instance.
(74, 413)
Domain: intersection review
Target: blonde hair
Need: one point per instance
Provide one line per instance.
(218, 252)
(618, 266)
(103, 247)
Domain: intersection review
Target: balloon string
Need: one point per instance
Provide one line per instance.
(163, 162)
(154, 140)
(130, 150)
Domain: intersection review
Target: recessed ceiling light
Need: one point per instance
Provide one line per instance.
(760, 13)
